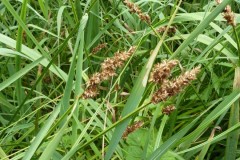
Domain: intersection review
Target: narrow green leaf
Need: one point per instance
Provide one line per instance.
(232, 139)
(33, 55)
(41, 134)
(216, 139)
(220, 109)
(43, 7)
(69, 85)
(51, 147)
(200, 28)
(19, 74)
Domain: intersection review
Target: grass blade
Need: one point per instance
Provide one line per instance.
(19, 74)
(201, 26)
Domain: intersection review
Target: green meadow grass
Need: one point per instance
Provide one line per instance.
(46, 52)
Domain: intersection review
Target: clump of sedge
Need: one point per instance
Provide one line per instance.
(108, 70)
(135, 9)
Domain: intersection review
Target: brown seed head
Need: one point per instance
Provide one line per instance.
(132, 128)
(135, 9)
(171, 88)
(108, 70)
(161, 71)
(90, 92)
(168, 109)
(98, 48)
(229, 16)
(171, 29)
(95, 79)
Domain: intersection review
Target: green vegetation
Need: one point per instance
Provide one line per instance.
(119, 79)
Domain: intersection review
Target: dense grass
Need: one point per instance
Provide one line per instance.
(47, 57)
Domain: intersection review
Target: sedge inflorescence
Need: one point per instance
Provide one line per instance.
(135, 9)
(132, 128)
(170, 88)
(108, 70)
(228, 14)
(171, 30)
(98, 48)
(162, 71)
(168, 109)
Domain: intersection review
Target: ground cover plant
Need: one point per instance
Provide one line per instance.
(119, 79)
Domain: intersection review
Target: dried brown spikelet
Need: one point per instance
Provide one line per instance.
(171, 29)
(98, 48)
(95, 79)
(90, 92)
(132, 128)
(135, 9)
(218, 1)
(171, 88)
(168, 109)
(161, 71)
(229, 16)
(108, 70)
(145, 17)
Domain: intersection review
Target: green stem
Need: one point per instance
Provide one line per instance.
(238, 44)
(232, 139)
(19, 90)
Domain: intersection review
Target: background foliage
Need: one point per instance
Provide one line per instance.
(46, 52)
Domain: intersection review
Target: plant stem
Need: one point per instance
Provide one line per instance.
(238, 44)
(232, 139)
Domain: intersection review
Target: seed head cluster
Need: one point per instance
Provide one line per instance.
(162, 71)
(108, 70)
(171, 29)
(229, 16)
(135, 9)
(170, 87)
(99, 47)
(168, 109)
(132, 128)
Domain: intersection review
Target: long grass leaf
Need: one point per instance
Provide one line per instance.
(200, 28)
(41, 134)
(19, 74)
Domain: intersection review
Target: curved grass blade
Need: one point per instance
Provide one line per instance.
(218, 138)
(33, 55)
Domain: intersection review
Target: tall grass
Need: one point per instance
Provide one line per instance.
(49, 51)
